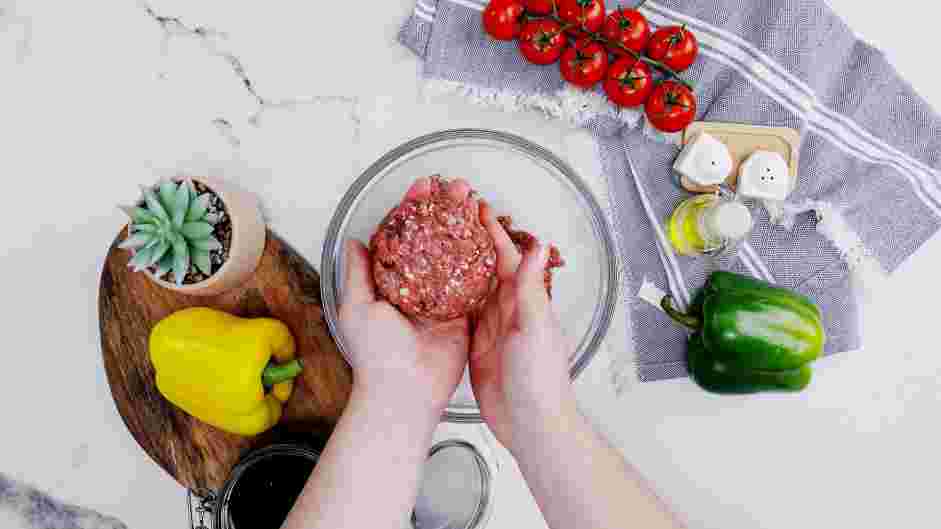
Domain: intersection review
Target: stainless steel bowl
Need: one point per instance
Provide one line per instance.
(541, 192)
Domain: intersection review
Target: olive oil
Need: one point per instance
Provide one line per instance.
(707, 223)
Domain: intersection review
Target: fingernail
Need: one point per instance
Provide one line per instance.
(540, 250)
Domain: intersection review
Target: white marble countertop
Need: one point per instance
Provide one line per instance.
(100, 96)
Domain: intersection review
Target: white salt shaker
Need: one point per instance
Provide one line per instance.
(705, 163)
(765, 175)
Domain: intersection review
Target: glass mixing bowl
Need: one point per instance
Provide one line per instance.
(519, 178)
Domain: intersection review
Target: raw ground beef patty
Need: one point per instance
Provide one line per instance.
(433, 258)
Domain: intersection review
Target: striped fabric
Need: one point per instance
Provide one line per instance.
(869, 187)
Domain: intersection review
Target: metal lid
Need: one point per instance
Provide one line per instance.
(455, 490)
(729, 220)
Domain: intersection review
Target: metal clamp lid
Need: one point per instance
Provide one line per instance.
(431, 510)
(199, 508)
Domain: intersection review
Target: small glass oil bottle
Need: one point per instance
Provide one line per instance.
(705, 224)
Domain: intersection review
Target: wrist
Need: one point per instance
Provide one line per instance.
(557, 439)
(548, 420)
(397, 403)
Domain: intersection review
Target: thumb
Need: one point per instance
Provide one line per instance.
(358, 285)
(531, 293)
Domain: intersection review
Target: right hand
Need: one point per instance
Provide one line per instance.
(406, 364)
(519, 358)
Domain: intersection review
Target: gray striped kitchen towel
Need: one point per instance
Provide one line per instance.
(868, 193)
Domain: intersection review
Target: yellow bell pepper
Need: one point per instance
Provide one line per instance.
(215, 366)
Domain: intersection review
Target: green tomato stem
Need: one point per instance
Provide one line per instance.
(598, 37)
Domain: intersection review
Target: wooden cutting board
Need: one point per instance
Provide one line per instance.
(200, 457)
(743, 140)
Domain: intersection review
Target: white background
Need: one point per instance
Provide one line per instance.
(91, 104)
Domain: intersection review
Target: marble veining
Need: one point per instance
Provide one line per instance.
(24, 507)
(224, 127)
(212, 40)
(12, 21)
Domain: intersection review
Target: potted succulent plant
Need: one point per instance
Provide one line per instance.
(195, 235)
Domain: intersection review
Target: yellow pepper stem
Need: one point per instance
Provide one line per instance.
(277, 373)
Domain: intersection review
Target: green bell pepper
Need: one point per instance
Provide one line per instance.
(750, 336)
(717, 375)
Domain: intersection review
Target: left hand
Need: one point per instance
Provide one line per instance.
(519, 365)
(407, 364)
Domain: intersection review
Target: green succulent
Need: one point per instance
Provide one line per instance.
(172, 230)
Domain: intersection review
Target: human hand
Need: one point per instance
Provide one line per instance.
(519, 357)
(412, 365)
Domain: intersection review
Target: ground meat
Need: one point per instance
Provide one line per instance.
(433, 258)
(524, 241)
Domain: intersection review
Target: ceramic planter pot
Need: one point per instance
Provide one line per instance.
(247, 246)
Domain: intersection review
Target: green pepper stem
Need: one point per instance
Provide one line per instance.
(277, 373)
(686, 320)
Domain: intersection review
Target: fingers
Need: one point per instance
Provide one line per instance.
(358, 287)
(508, 257)
(420, 190)
(461, 191)
(458, 189)
(531, 289)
